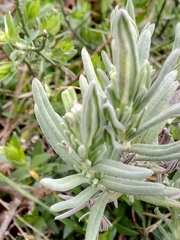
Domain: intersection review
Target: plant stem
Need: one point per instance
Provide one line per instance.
(72, 30)
(21, 15)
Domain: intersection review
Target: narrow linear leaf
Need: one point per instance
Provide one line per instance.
(103, 76)
(136, 188)
(118, 169)
(71, 159)
(90, 117)
(53, 120)
(162, 96)
(143, 46)
(69, 98)
(169, 113)
(162, 158)
(176, 43)
(110, 114)
(43, 103)
(83, 83)
(127, 64)
(130, 9)
(167, 67)
(160, 201)
(96, 215)
(157, 151)
(77, 201)
(22, 191)
(107, 62)
(89, 70)
(164, 218)
(64, 184)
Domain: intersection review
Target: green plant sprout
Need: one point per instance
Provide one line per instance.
(111, 138)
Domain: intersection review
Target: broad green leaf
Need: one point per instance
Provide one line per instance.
(32, 9)
(125, 230)
(9, 26)
(39, 159)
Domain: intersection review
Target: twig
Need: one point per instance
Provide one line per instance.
(155, 225)
(62, 68)
(30, 226)
(144, 8)
(159, 15)
(8, 216)
(23, 234)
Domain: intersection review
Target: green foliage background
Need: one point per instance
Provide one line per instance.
(27, 51)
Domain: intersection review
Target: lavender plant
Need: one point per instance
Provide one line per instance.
(111, 139)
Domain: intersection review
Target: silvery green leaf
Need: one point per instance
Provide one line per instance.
(72, 158)
(96, 215)
(98, 153)
(69, 98)
(160, 99)
(80, 199)
(115, 155)
(143, 78)
(90, 117)
(155, 150)
(127, 64)
(139, 98)
(169, 157)
(64, 184)
(83, 83)
(51, 124)
(126, 116)
(167, 67)
(176, 43)
(134, 187)
(103, 77)
(112, 18)
(149, 26)
(114, 168)
(160, 201)
(130, 9)
(89, 70)
(109, 91)
(44, 105)
(171, 112)
(138, 118)
(157, 103)
(143, 46)
(109, 137)
(82, 152)
(110, 114)
(107, 62)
